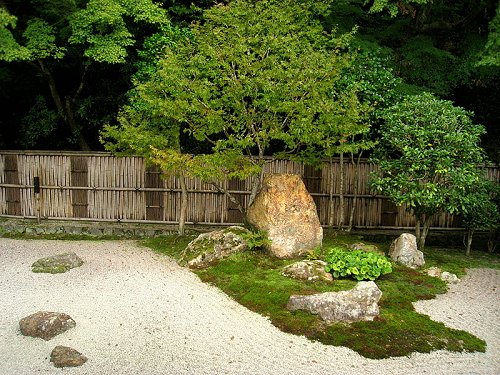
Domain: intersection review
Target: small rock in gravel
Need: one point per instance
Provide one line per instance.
(45, 324)
(57, 263)
(64, 356)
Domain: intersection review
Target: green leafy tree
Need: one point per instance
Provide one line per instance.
(428, 157)
(57, 34)
(395, 7)
(142, 130)
(377, 87)
(255, 78)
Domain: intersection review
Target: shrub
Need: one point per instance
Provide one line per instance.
(357, 264)
(256, 240)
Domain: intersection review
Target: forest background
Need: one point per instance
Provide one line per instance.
(68, 67)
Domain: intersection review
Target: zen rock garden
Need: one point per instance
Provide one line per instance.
(287, 213)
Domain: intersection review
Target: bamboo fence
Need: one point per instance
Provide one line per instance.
(102, 187)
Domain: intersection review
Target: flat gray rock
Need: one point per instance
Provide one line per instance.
(59, 263)
(357, 304)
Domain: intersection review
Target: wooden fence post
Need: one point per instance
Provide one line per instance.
(79, 178)
(13, 194)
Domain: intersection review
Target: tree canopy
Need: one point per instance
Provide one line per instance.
(428, 157)
(448, 48)
(254, 79)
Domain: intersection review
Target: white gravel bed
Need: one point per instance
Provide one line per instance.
(137, 312)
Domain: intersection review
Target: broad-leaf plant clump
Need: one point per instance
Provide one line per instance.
(357, 264)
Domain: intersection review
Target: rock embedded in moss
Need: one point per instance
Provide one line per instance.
(404, 251)
(57, 263)
(366, 248)
(286, 211)
(355, 305)
(309, 270)
(209, 248)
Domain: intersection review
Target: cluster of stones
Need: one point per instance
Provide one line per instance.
(287, 213)
(48, 324)
(448, 277)
(122, 230)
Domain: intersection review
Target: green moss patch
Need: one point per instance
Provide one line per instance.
(254, 279)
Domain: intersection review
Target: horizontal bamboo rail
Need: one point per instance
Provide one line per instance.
(100, 187)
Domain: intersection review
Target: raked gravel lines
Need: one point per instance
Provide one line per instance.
(137, 312)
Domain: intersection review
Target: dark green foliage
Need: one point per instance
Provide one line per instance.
(60, 42)
(357, 264)
(154, 49)
(38, 124)
(428, 157)
(433, 68)
(481, 209)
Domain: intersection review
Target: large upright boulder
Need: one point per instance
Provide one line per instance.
(404, 251)
(286, 211)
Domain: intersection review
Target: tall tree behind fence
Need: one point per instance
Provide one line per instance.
(99, 186)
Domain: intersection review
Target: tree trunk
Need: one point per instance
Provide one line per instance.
(331, 216)
(417, 229)
(422, 227)
(184, 205)
(470, 233)
(256, 184)
(70, 121)
(342, 201)
(233, 199)
(492, 240)
(356, 191)
(65, 110)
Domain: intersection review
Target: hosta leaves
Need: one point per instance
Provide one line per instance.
(358, 264)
